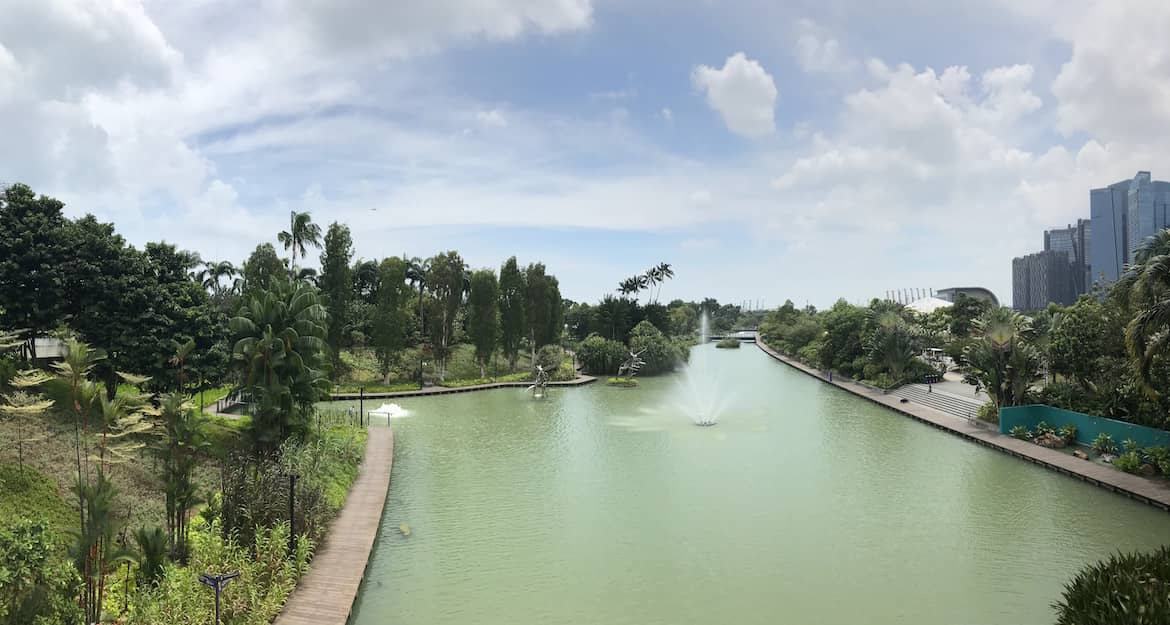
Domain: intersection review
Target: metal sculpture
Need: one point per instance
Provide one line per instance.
(540, 380)
(632, 365)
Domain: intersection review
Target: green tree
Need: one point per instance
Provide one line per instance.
(513, 323)
(483, 314)
(892, 344)
(36, 585)
(302, 233)
(336, 284)
(391, 319)
(183, 440)
(1087, 331)
(542, 307)
(684, 321)
(448, 281)
(1000, 360)
(262, 268)
(1145, 289)
(964, 311)
(282, 359)
(660, 354)
(417, 270)
(33, 273)
(601, 356)
(843, 343)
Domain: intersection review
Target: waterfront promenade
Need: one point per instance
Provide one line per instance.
(1154, 493)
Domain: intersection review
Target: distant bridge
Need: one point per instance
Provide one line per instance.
(747, 336)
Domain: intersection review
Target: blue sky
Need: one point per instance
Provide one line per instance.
(803, 150)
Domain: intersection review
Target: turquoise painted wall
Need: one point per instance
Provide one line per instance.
(1088, 426)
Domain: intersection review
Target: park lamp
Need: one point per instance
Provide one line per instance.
(218, 582)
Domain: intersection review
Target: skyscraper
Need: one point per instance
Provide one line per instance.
(1123, 215)
(1076, 242)
(1040, 278)
(1108, 213)
(1147, 208)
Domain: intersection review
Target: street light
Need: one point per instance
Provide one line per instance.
(218, 582)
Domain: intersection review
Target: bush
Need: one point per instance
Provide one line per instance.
(1021, 433)
(513, 377)
(1160, 458)
(1068, 432)
(622, 382)
(550, 357)
(1130, 445)
(988, 413)
(255, 492)
(1043, 429)
(1104, 444)
(1130, 462)
(599, 355)
(267, 577)
(1126, 588)
(661, 354)
(37, 585)
(728, 343)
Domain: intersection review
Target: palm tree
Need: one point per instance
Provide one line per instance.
(282, 357)
(1145, 288)
(892, 343)
(416, 273)
(212, 273)
(653, 278)
(301, 233)
(664, 273)
(1002, 359)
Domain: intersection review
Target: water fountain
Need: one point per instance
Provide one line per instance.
(701, 393)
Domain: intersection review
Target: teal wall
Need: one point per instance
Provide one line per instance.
(1088, 427)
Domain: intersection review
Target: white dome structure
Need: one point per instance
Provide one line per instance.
(928, 305)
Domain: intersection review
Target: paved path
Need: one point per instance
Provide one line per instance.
(1148, 491)
(324, 596)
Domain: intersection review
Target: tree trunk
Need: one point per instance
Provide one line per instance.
(481, 371)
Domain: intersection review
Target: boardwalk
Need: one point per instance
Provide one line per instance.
(1145, 490)
(444, 390)
(325, 594)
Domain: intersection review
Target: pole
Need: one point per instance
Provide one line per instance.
(362, 404)
(217, 604)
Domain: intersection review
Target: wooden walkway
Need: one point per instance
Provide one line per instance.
(1154, 493)
(445, 390)
(325, 595)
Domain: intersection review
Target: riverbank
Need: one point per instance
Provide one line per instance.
(325, 595)
(444, 390)
(1135, 487)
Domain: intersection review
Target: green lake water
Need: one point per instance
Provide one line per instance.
(803, 505)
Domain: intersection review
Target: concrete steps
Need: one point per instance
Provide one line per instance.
(942, 401)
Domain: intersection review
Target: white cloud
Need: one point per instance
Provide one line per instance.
(666, 114)
(493, 118)
(817, 51)
(742, 92)
(1116, 85)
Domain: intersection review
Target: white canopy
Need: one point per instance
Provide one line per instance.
(928, 305)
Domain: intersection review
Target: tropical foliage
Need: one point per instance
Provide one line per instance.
(1132, 588)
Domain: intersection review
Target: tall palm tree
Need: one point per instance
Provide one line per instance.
(653, 277)
(664, 273)
(301, 234)
(213, 272)
(1145, 288)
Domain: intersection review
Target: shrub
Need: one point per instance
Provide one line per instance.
(1068, 432)
(1160, 457)
(255, 493)
(1130, 462)
(153, 547)
(622, 382)
(1129, 445)
(728, 343)
(599, 355)
(1043, 428)
(1126, 588)
(549, 357)
(1104, 444)
(988, 413)
(267, 577)
(1021, 433)
(660, 353)
(37, 585)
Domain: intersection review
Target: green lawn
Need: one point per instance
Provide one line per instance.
(362, 369)
(33, 495)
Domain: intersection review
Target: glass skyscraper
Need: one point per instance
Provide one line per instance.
(1123, 215)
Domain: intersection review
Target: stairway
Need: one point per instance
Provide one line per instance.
(941, 401)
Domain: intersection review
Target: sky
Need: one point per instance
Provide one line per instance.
(805, 150)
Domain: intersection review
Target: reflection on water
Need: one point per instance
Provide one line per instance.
(803, 505)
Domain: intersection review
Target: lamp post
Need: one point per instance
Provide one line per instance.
(218, 582)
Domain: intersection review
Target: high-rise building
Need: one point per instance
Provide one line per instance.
(1148, 207)
(1040, 278)
(1123, 215)
(1076, 242)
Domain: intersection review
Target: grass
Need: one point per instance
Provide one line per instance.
(376, 388)
(728, 344)
(618, 381)
(33, 495)
(362, 367)
(511, 377)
